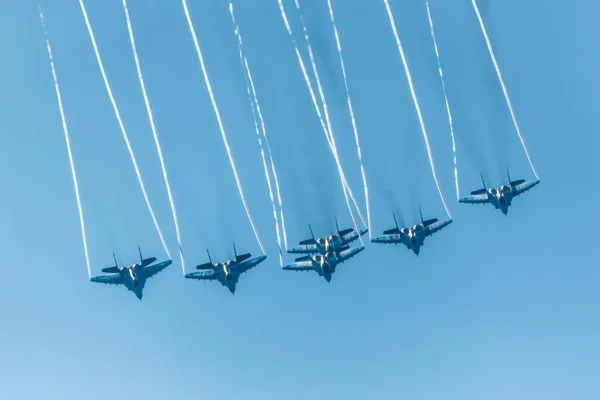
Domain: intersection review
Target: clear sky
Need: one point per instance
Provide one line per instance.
(495, 307)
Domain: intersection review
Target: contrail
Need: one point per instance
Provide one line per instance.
(68, 141)
(221, 128)
(351, 110)
(256, 111)
(504, 90)
(437, 54)
(326, 112)
(417, 107)
(318, 110)
(156, 141)
(118, 115)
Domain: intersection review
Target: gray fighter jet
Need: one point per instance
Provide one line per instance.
(332, 243)
(324, 265)
(501, 198)
(133, 277)
(228, 272)
(414, 236)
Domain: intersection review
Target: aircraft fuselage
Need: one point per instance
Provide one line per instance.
(325, 265)
(501, 198)
(134, 279)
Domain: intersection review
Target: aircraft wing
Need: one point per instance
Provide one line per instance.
(205, 274)
(299, 266)
(152, 270)
(349, 235)
(112, 279)
(249, 264)
(523, 187)
(306, 249)
(475, 199)
(348, 254)
(388, 239)
(438, 226)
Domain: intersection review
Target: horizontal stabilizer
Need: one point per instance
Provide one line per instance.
(111, 270)
(344, 232)
(148, 261)
(205, 266)
(243, 257)
(430, 222)
(480, 191)
(308, 241)
(517, 182)
(305, 258)
(394, 231)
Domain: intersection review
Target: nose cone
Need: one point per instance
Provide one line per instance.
(417, 250)
(328, 278)
(505, 211)
(232, 289)
(138, 294)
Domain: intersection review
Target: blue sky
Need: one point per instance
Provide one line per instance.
(493, 308)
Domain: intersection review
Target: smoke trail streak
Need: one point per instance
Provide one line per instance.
(326, 112)
(68, 141)
(437, 54)
(220, 122)
(504, 90)
(123, 131)
(256, 114)
(417, 107)
(351, 110)
(156, 141)
(317, 109)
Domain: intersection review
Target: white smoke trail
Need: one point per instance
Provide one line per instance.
(68, 141)
(220, 122)
(504, 90)
(156, 141)
(326, 112)
(437, 54)
(417, 107)
(123, 131)
(256, 111)
(318, 110)
(351, 110)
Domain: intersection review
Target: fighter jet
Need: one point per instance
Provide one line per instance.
(414, 236)
(133, 277)
(332, 243)
(324, 264)
(228, 272)
(501, 198)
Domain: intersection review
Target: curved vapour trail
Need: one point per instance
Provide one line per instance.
(68, 141)
(318, 110)
(351, 110)
(156, 141)
(437, 54)
(326, 112)
(264, 130)
(256, 110)
(118, 115)
(418, 108)
(220, 122)
(504, 90)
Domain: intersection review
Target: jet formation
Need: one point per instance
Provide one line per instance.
(227, 273)
(501, 198)
(412, 237)
(319, 254)
(133, 277)
(325, 254)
